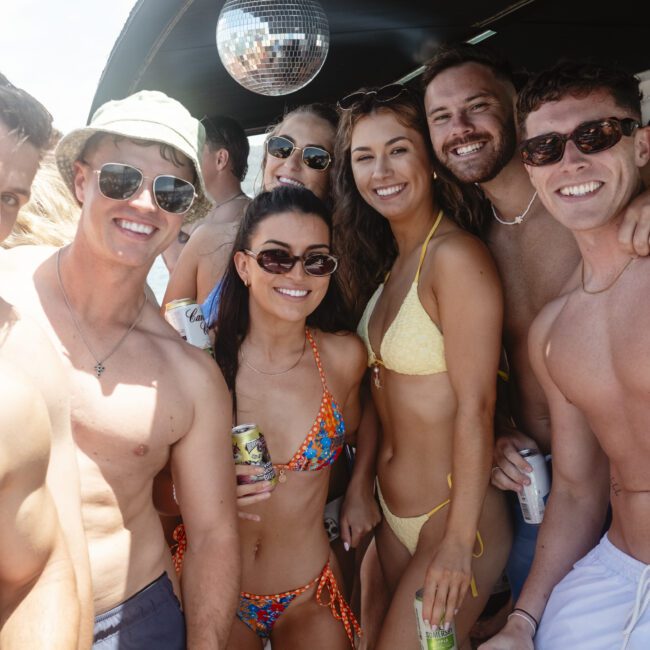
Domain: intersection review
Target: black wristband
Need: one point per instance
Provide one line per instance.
(530, 616)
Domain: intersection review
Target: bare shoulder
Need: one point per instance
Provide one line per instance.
(457, 247)
(342, 352)
(24, 258)
(209, 237)
(541, 326)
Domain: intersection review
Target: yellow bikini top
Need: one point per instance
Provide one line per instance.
(413, 344)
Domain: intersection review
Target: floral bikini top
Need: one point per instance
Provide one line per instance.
(323, 444)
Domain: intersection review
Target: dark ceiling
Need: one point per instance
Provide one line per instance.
(169, 45)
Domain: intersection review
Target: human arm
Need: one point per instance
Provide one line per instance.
(204, 478)
(575, 511)
(182, 279)
(634, 231)
(37, 580)
(359, 512)
(468, 293)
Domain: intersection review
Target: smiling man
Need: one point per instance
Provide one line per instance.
(141, 396)
(589, 348)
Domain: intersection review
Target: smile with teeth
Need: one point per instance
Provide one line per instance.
(285, 180)
(466, 149)
(580, 190)
(294, 293)
(390, 191)
(140, 228)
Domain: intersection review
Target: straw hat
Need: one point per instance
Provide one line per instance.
(146, 115)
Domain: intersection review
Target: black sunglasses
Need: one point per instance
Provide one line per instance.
(314, 157)
(589, 137)
(383, 94)
(278, 260)
(120, 182)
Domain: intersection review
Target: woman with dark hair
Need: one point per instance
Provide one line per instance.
(281, 345)
(432, 328)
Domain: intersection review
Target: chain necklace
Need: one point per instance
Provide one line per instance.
(99, 366)
(277, 372)
(216, 206)
(519, 218)
(610, 285)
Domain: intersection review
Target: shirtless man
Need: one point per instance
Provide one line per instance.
(589, 349)
(140, 394)
(469, 103)
(30, 524)
(202, 260)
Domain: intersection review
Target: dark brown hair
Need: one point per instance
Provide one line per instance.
(222, 132)
(578, 79)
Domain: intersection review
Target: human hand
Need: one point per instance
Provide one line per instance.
(359, 515)
(510, 471)
(514, 636)
(634, 231)
(250, 493)
(446, 581)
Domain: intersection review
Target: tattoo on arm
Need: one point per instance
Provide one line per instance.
(615, 489)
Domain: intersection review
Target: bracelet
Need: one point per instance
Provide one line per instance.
(529, 618)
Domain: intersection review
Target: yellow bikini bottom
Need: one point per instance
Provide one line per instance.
(407, 529)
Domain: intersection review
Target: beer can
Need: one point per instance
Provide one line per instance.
(531, 498)
(249, 448)
(438, 640)
(186, 317)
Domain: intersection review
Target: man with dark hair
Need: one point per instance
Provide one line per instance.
(143, 398)
(583, 148)
(469, 100)
(44, 564)
(203, 259)
(224, 165)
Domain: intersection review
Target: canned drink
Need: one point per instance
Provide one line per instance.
(531, 498)
(438, 640)
(249, 448)
(186, 317)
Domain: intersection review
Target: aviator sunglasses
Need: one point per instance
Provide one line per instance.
(383, 94)
(120, 182)
(278, 260)
(315, 158)
(588, 137)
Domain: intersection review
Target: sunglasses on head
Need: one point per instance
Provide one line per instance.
(588, 137)
(315, 158)
(383, 94)
(120, 182)
(278, 260)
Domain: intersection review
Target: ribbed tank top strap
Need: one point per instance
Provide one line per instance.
(426, 243)
(319, 365)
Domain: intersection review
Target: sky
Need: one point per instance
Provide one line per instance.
(56, 50)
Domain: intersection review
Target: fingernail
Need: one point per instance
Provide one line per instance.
(434, 628)
(447, 626)
(427, 625)
(455, 612)
(346, 546)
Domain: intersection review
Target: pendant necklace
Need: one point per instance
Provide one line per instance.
(99, 366)
(277, 372)
(216, 206)
(519, 218)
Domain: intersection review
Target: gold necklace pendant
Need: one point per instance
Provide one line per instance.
(376, 378)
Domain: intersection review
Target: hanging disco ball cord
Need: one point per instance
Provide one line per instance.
(270, 47)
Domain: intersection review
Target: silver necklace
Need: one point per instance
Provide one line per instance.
(99, 366)
(232, 198)
(519, 218)
(277, 372)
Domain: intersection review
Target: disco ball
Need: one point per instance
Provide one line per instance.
(270, 47)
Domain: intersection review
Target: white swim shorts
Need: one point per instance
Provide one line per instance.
(601, 604)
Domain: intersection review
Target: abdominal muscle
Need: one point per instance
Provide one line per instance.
(415, 456)
(289, 546)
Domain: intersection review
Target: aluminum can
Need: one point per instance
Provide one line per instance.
(186, 317)
(531, 498)
(249, 448)
(438, 640)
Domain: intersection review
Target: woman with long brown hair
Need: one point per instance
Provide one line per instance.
(432, 328)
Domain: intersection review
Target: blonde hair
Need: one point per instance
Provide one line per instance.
(51, 215)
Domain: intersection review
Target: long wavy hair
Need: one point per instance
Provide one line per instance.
(362, 236)
(233, 320)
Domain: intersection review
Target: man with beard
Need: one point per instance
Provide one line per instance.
(469, 100)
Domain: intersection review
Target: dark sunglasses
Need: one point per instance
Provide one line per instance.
(120, 182)
(589, 137)
(278, 260)
(383, 94)
(314, 157)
